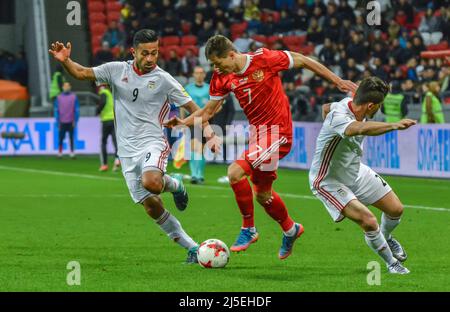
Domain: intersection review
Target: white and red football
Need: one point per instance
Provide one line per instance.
(213, 253)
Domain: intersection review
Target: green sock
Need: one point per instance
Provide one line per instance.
(201, 168)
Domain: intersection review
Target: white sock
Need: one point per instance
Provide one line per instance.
(377, 243)
(388, 224)
(170, 184)
(252, 229)
(291, 231)
(172, 227)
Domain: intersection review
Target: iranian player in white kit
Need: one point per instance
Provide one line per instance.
(346, 186)
(142, 95)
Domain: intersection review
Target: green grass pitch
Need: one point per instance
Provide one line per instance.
(53, 211)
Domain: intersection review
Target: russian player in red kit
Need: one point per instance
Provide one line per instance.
(254, 80)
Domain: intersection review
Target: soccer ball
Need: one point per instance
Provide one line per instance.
(213, 253)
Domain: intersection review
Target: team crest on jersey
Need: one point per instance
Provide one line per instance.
(258, 75)
(151, 85)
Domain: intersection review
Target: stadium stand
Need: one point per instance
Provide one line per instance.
(391, 51)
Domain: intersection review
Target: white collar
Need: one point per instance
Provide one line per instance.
(247, 64)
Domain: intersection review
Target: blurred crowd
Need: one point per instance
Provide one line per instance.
(336, 33)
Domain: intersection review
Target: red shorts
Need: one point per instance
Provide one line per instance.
(260, 160)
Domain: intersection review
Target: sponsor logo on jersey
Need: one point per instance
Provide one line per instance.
(258, 75)
(151, 85)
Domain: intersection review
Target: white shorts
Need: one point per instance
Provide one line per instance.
(368, 188)
(154, 157)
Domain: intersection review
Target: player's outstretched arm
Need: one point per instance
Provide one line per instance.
(301, 60)
(61, 53)
(206, 113)
(213, 142)
(374, 128)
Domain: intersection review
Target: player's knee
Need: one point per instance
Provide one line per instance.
(369, 222)
(153, 183)
(235, 173)
(396, 210)
(263, 197)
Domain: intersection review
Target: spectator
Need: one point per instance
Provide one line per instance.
(114, 36)
(394, 106)
(199, 91)
(332, 31)
(197, 25)
(411, 71)
(327, 54)
(243, 43)
(344, 32)
(417, 46)
(205, 33)
(393, 30)
(345, 12)
(285, 24)
(184, 10)
(432, 106)
(66, 111)
(315, 33)
(170, 25)
(301, 20)
(153, 21)
(57, 82)
(356, 49)
(221, 29)
(430, 28)
(105, 109)
(132, 28)
(173, 64)
(319, 15)
(405, 8)
(188, 62)
(268, 28)
(104, 55)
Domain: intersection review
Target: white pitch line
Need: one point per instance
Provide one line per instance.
(96, 177)
(60, 173)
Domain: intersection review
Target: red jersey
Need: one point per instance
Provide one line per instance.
(258, 89)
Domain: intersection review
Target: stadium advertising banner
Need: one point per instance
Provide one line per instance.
(41, 136)
(423, 150)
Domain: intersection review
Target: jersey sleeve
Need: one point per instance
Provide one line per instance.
(105, 72)
(278, 60)
(217, 88)
(177, 95)
(339, 122)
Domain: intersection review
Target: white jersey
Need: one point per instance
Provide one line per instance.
(141, 102)
(337, 157)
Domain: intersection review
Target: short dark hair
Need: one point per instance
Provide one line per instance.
(218, 46)
(144, 36)
(371, 90)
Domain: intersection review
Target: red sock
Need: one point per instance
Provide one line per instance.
(276, 208)
(244, 198)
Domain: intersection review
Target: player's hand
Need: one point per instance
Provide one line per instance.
(214, 144)
(405, 124)
(347, 86)
(175, 121)
(60, 52)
